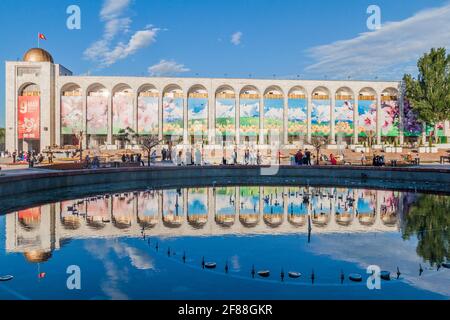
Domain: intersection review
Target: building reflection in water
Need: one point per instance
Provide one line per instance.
(38, 231)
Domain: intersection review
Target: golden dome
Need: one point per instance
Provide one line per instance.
(37, 55)
(37, 256)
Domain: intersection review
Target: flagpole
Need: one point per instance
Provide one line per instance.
(39, 41)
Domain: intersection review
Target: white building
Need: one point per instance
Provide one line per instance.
(46, 106)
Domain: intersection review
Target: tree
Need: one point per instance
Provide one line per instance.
(428, 220)
(318, 143)
(429, 94)
(125, 135)
(148, 143)
(2, 136)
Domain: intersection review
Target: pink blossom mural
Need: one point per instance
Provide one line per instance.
(122, 112)
(97, 115)
(389, 118)
(148, 115)
(71, 114)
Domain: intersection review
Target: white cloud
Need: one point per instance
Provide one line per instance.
(236, 38)
(113, 8)
(105, 51)
(165, 67)
(387, 52)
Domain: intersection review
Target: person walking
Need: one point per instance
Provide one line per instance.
(363, 158)
(307, 157)
(14, 155)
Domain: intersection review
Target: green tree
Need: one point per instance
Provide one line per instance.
(125, 136)
(429, 94)
(2, 136)
(429, 221)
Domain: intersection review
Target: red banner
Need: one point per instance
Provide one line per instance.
(29, 117)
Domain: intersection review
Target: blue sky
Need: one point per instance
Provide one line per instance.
(313, 39)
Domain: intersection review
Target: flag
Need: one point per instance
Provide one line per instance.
(41, 36)
(41, 275)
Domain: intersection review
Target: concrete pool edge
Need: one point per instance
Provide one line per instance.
(420, 179)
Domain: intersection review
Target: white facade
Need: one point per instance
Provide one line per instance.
(53, 80)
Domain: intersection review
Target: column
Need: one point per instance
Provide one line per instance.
(332, 122)
(211, 119)
(160, 116)
(185, 119)
(238, 116)
(285, 136)
(135, 112)
(84, 127)
(308, 101)
(261, 120)
(401, 118)
(355, 120)
(110, 113)
(378, 133)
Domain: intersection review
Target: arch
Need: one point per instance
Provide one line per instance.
(173, 114)
(225, 220)
(122, 110)
(249, 220)
(71, 113)
(148, 110)
(97, 102)
(344, 112)
(321, 219)
(249, 114)
(197, 114)
(122, 88)
(320, 112)
(367, 113)
(147, 222)
(297, 114)
(390, 114)
(273, 114)
(97, 89)
(71, 87)
(29, 89)
(297, 220)
(226, 113)
(225, 89)
(273, 220)
(344, 219)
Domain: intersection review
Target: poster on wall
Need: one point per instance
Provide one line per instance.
(320, 117)
(249, 197)
(198, 116)
(29, 117)
(148, 115)
(297, 117)
(249, 117)
(273, 115)
(173, 116)
(71, 114)
(225, 201)
(122, 113)
(367, 111)
(411, 125)
(343, 113)
(225, 117)
(97, 115)
(390, 119)
(148, 205)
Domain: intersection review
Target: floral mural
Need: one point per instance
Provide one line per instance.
(197, 203)
(320, 117)
(367, 111)
(411, 125)
(173, 116)
(343, 113)
(97, 115)
(148, 115)
(390, 118)
(225, 117)
(198, 116)
(71, 114)
(297, 116)
(122, 113)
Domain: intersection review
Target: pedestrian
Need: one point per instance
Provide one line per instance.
(14, 155)
(258, 158)
(363, 158)
(307, 157)
(333, 159)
